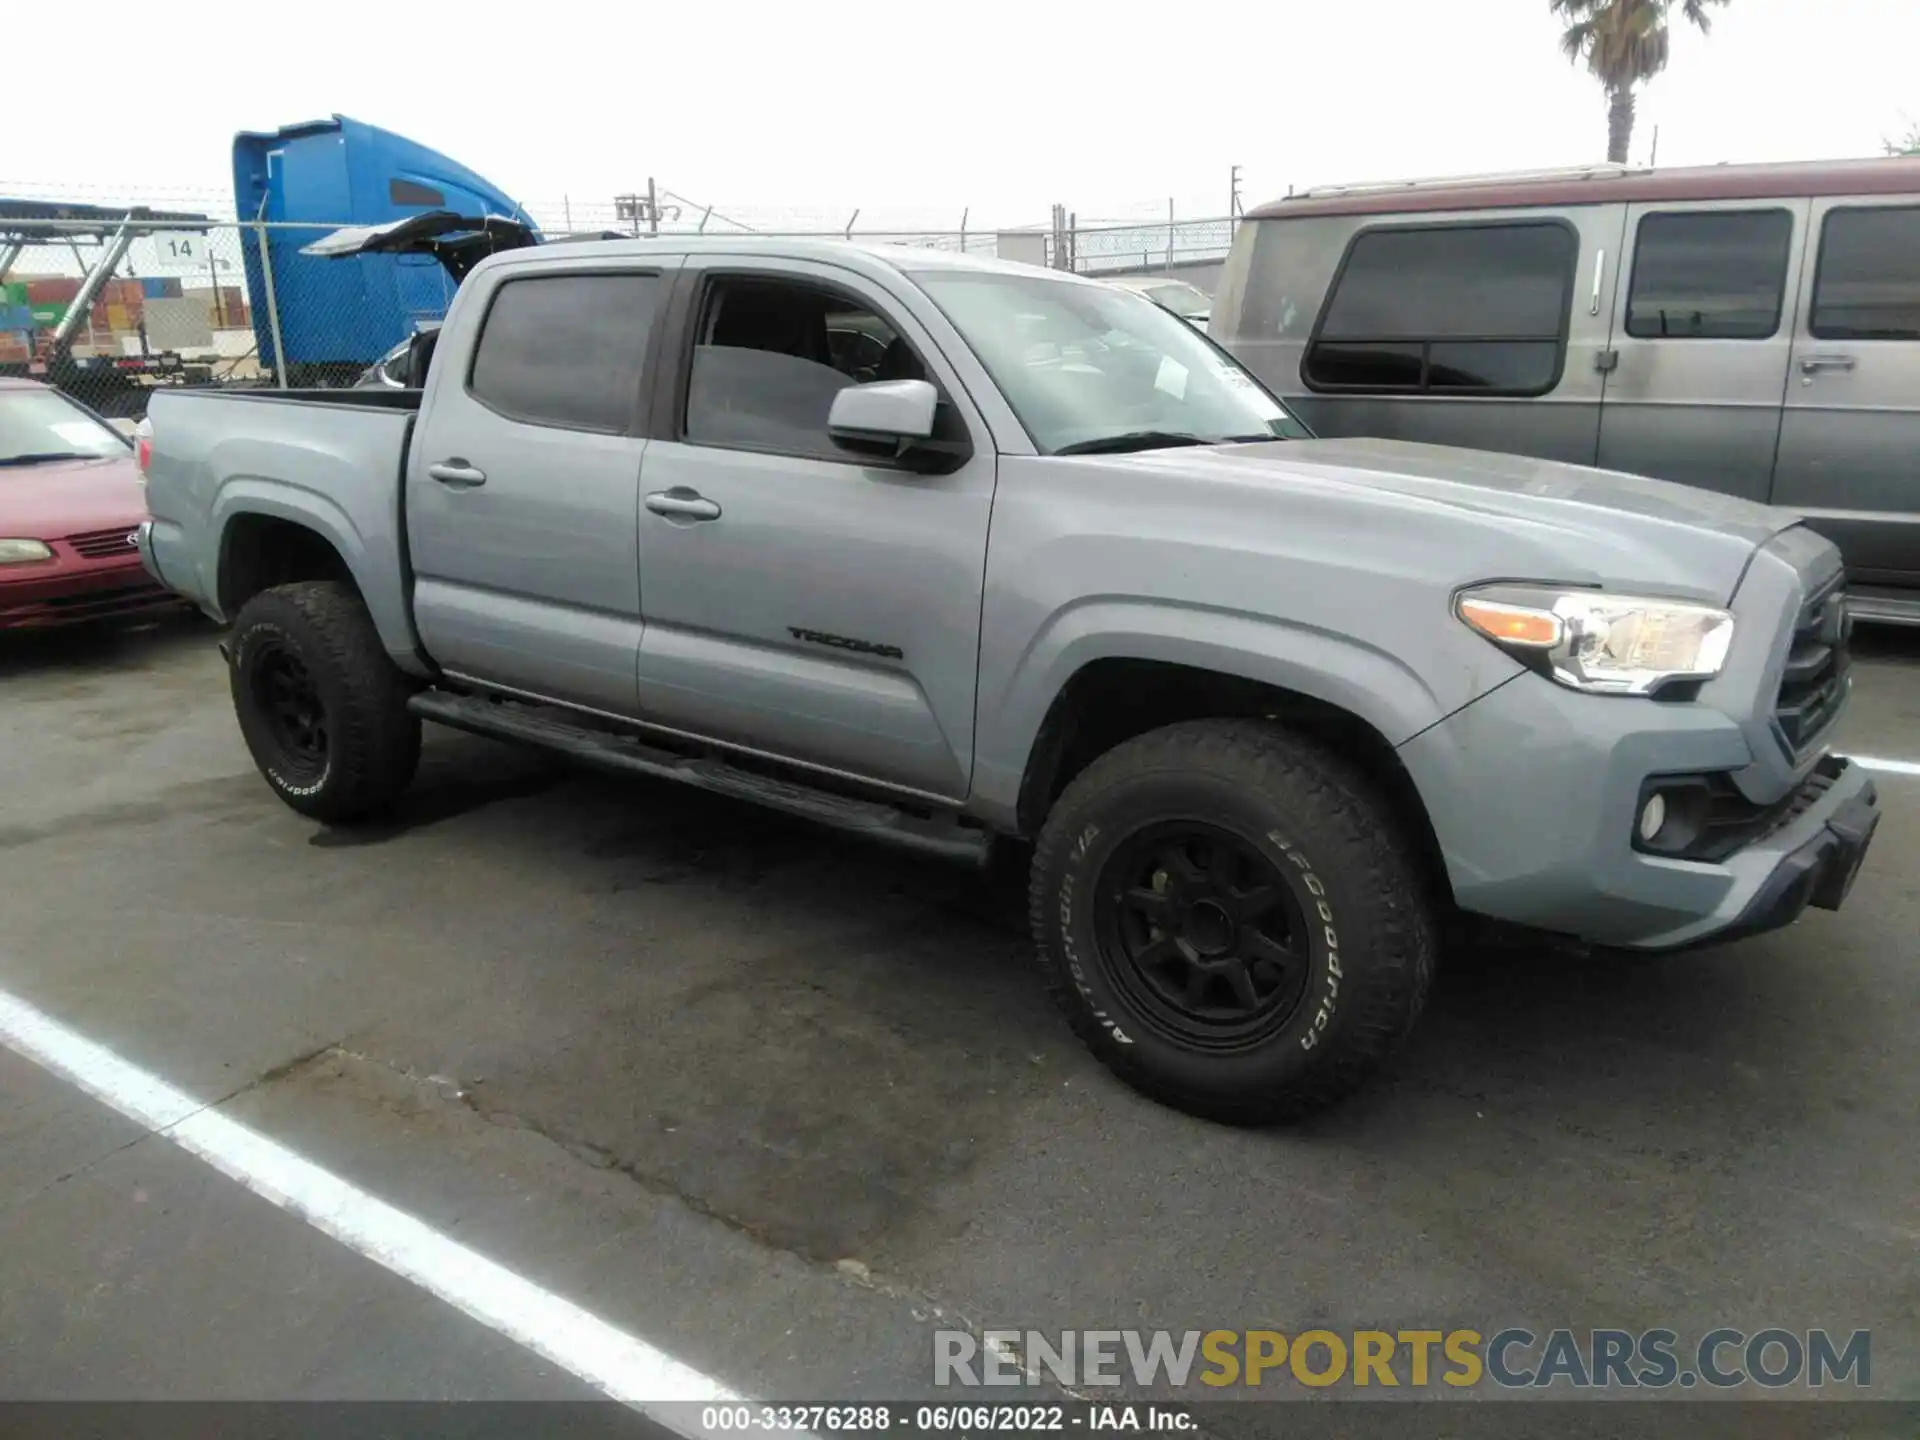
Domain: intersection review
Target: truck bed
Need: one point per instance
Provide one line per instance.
(330, 460)
(370, 398)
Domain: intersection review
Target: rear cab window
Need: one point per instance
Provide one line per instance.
(1477, 308)
(567, 350)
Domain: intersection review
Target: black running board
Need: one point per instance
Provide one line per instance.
(509, 720)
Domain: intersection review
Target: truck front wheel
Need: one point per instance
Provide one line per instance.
(1232, 920)
(322, 708)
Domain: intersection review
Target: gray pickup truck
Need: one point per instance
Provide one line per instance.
(953, 553)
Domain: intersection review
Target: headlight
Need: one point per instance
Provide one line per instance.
(1606, 644)
(24, 552)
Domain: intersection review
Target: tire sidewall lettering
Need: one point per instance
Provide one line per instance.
(1330, 972)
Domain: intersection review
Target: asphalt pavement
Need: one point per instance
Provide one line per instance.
(784, 1105)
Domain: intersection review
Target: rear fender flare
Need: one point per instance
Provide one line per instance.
(383, 591)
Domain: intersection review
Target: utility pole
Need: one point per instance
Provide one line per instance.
(1233, 195)
(1653, 158)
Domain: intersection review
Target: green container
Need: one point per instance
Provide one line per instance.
(15, 293)
(48, 314)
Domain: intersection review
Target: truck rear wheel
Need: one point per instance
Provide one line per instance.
(1232, 920)
(323, 709)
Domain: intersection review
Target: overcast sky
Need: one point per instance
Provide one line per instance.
(912, 112)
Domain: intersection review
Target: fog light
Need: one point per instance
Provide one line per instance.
(1653, 816)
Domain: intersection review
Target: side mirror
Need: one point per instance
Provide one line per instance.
(886, 418)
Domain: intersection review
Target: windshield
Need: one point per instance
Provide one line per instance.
(1089, 367)
(1179, 297)
(44, 424)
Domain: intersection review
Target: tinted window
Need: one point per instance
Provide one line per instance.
(566, 350)
(409, 192)
(1868, 286)
(1709, 276)
(1464, 307)
(772, 355)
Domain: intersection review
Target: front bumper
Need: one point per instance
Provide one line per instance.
(1820, 871)
(1533, 792)
(72, 594)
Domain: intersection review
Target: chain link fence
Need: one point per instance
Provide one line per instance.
(110, 302)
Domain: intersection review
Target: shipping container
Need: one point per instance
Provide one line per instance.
(48, 313)
(52, 290)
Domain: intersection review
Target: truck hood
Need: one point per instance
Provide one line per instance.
(70, 497)
(1552, 521)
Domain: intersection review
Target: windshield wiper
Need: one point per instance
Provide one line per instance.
(1132, 440)
(42, 457)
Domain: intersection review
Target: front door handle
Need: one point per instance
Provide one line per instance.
(1814, 364)
(457, 473)
(681, 503)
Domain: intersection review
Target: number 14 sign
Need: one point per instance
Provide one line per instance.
(186, 252)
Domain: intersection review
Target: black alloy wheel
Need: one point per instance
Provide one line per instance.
(289, 701)
(1204, 933)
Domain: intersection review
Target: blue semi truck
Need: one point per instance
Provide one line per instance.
(336, 317)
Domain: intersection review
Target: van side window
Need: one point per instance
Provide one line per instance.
(566, 350)
(1709, 275)
(1867, 286)
(1461, 309)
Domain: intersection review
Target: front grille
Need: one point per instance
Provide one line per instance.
(1813, 685)
(104, 544)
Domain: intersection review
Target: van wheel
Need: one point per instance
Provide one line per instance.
(1232, 920)
(322, 708)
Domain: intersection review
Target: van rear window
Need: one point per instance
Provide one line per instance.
(1868, 286)
(1457, 308)
(1709, 275)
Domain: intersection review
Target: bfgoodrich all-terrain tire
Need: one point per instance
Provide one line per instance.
(323, 709)
(1232, 919)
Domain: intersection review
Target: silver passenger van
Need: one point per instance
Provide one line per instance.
(1751, 329)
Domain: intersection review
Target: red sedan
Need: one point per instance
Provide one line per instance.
(70, 499)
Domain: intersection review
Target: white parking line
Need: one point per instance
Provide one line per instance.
(626, 1368)
(1890, 767)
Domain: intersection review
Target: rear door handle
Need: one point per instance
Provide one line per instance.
(681, 503)
(457, 473)
(1814, 364)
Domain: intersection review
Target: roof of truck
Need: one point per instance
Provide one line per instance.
(1603, 185)
(907, 258)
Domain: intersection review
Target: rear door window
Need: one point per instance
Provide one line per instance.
(1456, 308)
(1709, 275)
(566, 351)
(1867, 286)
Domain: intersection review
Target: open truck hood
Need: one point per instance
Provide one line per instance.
(458, 242)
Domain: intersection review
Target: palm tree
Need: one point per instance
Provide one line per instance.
(1907, 144)
(1624, 43)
